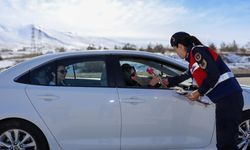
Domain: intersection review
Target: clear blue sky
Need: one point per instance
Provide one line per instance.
(209, 20)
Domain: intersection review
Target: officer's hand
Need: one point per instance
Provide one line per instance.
(195, 95)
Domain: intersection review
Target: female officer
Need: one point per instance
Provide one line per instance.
(215, 80)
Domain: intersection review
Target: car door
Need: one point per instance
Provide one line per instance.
(84, 113)
(155, 118)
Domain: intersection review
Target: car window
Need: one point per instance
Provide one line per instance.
(70, 72)
(42, 75)
(145, 71)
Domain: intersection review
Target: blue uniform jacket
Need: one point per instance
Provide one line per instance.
(214, 69)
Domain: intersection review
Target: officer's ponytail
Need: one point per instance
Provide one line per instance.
(184, 39)
(194, 41)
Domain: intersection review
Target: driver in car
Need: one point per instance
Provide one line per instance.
(131, 78)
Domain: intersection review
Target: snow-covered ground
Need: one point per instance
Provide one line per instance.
(6, 64)
(236, 61)
(232, 60)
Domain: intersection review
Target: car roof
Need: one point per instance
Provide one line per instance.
(122, 52)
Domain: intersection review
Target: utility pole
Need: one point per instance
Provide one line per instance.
(33, 40)
(39, 44)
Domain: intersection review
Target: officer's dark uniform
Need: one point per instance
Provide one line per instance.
(216, 81)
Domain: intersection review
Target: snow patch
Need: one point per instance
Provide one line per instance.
(6, 63)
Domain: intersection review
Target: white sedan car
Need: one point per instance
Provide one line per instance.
(93, 108)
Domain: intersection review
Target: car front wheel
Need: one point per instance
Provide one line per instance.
(21, 135)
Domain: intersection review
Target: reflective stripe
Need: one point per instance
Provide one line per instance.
(197, 46)
(222, 78)
(194, 67)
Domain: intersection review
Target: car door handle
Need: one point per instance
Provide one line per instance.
(48, 97)
(133, 100)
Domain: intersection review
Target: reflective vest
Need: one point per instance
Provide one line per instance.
(199, 75)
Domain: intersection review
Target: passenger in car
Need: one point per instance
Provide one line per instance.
(59, 76)
(131, 78)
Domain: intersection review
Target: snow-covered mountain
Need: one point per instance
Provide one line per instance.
(25, 36)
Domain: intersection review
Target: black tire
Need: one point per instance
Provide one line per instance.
(244, 132)
(19, 130)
